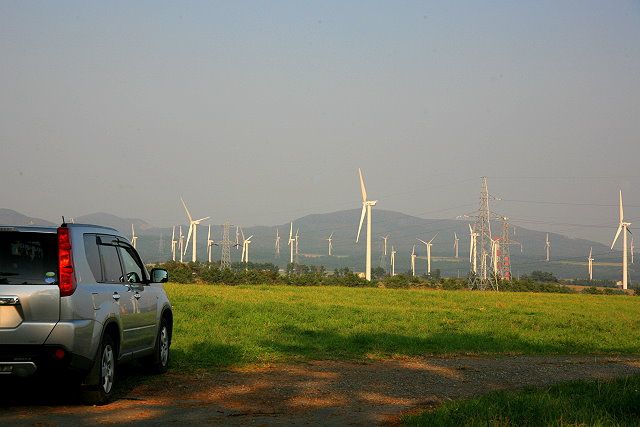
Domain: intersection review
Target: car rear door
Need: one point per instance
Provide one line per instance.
(29, 294)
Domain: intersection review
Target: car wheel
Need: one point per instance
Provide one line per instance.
(159, 362)
(106, 372)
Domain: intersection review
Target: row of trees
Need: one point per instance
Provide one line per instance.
(305, 275)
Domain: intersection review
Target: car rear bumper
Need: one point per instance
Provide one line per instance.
(28, 360)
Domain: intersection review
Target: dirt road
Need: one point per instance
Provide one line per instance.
(317, 393)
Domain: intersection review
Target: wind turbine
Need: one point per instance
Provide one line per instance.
(455, 244)
(277, 243)
(366, 210)
(173, 243)
(245, 247)
(473, 251)
(495, 246)
(413, 261)
(393, 261)
(237, 237)
(624, 228)
(330, 240)
(385, 238)
(547, 245)
(181, 239)
(632, 248)
(290, 243)
(429, 244)
(590, 261)
(296, 238)
(134, 238)
(210, 243)
(193, 229)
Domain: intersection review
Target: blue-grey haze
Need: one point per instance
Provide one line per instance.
(259, 112)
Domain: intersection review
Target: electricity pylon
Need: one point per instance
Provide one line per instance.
(483, 278)
(225, 260)
(504, 256)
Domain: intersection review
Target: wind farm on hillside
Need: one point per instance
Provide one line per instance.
(495, 253)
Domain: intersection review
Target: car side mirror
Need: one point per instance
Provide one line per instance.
(159, 275)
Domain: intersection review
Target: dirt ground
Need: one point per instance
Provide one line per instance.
(316, 393)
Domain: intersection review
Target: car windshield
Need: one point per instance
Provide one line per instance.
(28, 258)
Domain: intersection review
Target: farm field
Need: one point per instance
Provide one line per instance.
(218, 326)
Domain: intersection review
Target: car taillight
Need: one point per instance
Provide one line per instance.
(65, 266)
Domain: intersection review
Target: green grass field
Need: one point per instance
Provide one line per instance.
(216, 326)
(592, 403)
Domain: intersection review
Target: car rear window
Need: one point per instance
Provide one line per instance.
(28, 258)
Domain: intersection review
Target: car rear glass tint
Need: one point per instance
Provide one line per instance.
(28, 258)
(93, 256)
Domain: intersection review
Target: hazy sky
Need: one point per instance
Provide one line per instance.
(259, 112)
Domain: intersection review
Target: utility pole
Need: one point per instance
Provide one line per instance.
(484, 278)
(225, 260)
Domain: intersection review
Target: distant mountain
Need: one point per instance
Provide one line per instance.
(11, 217)
(568, 255)
(121, 224)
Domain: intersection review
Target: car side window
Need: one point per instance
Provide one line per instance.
(93, 256)
(111, 264)
(133, 271)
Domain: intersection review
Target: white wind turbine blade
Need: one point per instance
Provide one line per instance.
(363, 190)
(364, 212)
(621, 209)
(331, 235)
(590, 251)
(242, 234)
(434, 237)
(244, 246)
(617, 234)
(209, 235)
(291, 231)
(133, 232)
(186, 210)
(188, 237)
(202, 219)
(413, 251)
(426, 243)
(173, 233)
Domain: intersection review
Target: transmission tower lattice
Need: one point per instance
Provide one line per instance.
(483, 278)
(225, 259)
(504, 263)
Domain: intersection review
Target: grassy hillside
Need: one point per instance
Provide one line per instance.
(224, 325)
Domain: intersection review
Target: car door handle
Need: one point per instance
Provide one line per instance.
(116, 296)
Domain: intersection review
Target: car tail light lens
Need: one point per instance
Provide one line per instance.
(65, 266)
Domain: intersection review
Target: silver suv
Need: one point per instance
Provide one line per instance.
(77, 299)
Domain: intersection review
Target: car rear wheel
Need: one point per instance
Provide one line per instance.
(159, 362)
(106, 372)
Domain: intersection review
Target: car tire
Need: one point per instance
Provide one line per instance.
(159, 361)
(106, 374)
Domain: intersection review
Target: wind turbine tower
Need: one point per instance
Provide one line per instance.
(134, 238)
(245, 247)
(181, 241)
(473, 250)
(623, 227)
(413, 261)
(429, 244)
(277, 247)
(193, 230)
(393, 261)
(590, 261)
(366, 211)
(330, 242)
(547, 245)
(210, 244)
(291, 243)
(174, 242)
(455, 244)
